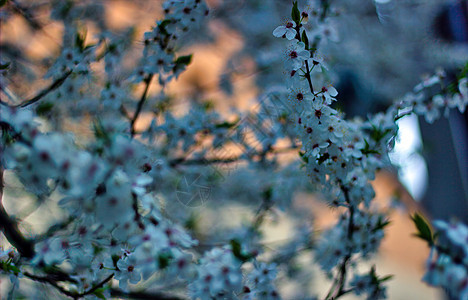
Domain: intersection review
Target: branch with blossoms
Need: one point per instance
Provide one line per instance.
(325, 144)
(328, 147)
(427, 103)
(134, 203)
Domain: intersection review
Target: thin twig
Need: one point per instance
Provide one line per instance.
(57, 83)
(307, 76)
(343, 267)
(10, 229)
(140, 104)
(207, 161)
(144, 295)
(74, 295)
(27, 15)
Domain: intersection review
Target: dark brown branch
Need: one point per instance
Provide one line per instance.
(50, 281)
(137, 217)
(140, 104)
(27, 15)
(307, 76)
(145, 295)
(10, 229)
(202, 161)
(341, 281)
(207, 161)
(74, 295)
(57, 83)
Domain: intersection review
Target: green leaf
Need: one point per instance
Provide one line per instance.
(464, 72)
(115, 259)
(162, 26)
(236, 248)
(3, 2)
(98, 293)
(424, 229)
(80, 40)
(164, 259)
(44, 108)
(184, 60)
(227, 124)
(99, 131)
(386, 278)
(191, 223)
(4, 66)
(381, 224)
(237, 251)
(267, 194)
(304, 157)
(15, 270)
(367, 150)
(295, 13)
(305, 40)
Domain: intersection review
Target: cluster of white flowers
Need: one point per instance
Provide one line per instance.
(447, 265)
(429, 106)
(362, 239)
(218, 276)
(368, 285)
(100, 192)
(342, 156)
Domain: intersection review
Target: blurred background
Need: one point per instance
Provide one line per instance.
(379, 50)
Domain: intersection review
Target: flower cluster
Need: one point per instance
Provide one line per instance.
(218, 275)
(429, 106)
(447, 265)
(362, 238)
(369, 285)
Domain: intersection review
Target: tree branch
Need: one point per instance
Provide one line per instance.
(62, 290)
(144, 295)
(11, 231)
(140, 104)
(57, 83)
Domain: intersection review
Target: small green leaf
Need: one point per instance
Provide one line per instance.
(115, 259)
(386, 278)
(267, 194)
(184, 60)
(227, 124)
(305, 40)
(14, 269)
(208, 105)
(381, 224)
(4, 66)
(162, 26)
(3, 2)
(79, 41)
(424, 229)
(164, 259)
(295, 13)
(464, 72)
(236, 248)
(304, 157)
(191, 223)
(237, 251)
(367, 149)
(44, 108)
(99, 294)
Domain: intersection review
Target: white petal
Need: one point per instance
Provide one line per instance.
(332, 91)
(290, 34)
(279, 31)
